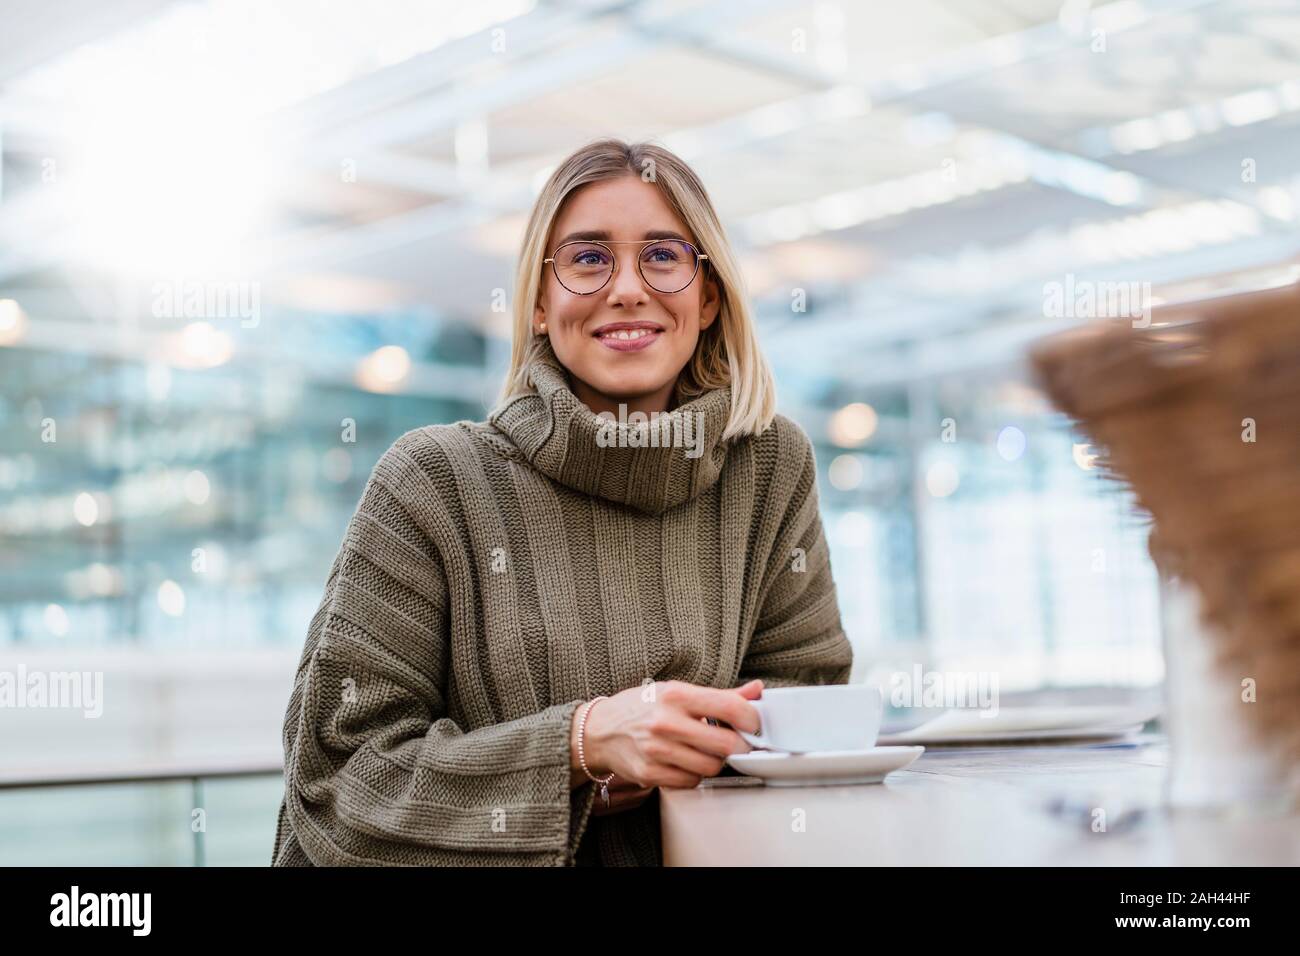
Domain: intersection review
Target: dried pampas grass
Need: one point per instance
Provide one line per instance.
(1200, 414)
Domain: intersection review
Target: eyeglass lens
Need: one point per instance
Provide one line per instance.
(667, 265)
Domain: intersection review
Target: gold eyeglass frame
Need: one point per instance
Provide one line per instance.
(699, 256)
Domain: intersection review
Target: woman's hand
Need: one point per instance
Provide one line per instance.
(657, 735)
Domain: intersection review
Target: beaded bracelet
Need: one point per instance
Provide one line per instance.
(582, 757)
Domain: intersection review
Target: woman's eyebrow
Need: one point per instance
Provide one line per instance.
(603, 234)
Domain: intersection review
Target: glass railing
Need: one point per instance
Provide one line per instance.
(205, 815)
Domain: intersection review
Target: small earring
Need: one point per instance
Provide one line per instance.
(542, 327)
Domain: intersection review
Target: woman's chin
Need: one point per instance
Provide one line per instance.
(623, 384)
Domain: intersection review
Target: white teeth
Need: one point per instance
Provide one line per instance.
(627, 334)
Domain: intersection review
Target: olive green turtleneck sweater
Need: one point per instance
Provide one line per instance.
(496, 575)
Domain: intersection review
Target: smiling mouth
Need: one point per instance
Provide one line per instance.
(626, 335)
(628, 340)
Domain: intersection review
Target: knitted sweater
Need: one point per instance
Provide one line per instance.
(497, 574)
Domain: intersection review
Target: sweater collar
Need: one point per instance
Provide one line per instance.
(564, 439)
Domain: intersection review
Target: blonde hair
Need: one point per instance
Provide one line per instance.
(727, 353)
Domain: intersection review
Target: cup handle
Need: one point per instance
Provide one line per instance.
(756, 740)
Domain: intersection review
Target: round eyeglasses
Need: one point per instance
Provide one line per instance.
(585, 266)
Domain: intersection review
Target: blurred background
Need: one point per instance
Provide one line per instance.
(246, 245)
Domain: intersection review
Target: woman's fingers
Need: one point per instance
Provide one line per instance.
(683, 761)
(698, 701)
(717, 741)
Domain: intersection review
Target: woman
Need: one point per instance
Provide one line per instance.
(523, 606)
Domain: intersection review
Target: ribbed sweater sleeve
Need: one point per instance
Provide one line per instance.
(798, 638)
(376, 772)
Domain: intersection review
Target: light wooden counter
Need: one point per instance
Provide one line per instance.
(963, 806)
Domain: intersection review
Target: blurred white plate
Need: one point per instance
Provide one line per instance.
(1025, 723)
(1087, 733)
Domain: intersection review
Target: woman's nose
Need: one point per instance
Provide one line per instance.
(626, 283)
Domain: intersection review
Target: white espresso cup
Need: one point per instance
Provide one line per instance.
(822, 717)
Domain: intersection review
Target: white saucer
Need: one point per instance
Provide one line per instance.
(824, 767)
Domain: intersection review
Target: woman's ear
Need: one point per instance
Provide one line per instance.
(711, 303)
(539, 315)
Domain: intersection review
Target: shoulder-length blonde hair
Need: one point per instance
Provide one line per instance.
(727, 353)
